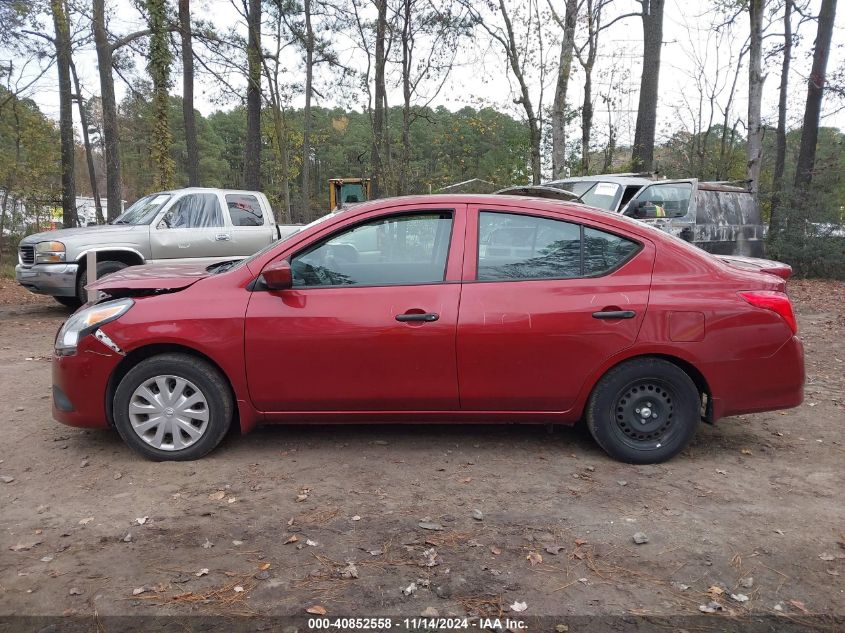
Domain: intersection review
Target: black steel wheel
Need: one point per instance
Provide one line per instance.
(644, 411)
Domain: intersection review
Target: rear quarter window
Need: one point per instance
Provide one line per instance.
(244, 210)
(604, 252)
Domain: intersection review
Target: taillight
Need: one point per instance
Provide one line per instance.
(775, 301)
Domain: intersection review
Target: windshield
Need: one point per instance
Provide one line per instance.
(604, 195)
(144, 210)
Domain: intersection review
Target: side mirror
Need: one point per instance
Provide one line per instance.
(641, 209)
(278, 275)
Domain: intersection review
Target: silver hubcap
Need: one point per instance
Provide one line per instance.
(168, 412)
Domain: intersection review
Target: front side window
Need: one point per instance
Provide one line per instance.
(670, 200)
(514, 246)
(244, 210)
(396, 250)
(194, 211)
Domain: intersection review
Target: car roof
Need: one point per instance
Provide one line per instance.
(619, 180)
(497, 200)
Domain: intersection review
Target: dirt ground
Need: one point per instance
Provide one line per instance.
(291, 518)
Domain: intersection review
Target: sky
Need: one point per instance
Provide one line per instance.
(696, 60)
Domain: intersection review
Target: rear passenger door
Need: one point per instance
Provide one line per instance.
(537, 293)
(250, 229)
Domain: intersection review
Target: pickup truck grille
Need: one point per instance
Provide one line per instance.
(27, 255)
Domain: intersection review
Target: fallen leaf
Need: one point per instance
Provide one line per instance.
(518, 607)
(138, 591)
(208, 544)
(202, 572)
(800, 606)
(316, 610)
(217, 496)
(301, 497)
(142, 520)
(86, 521)
(293, 539)
(534, 558)
(356, 518)
(746, 451)
(580, 541)
(24, 546)
(429, 525)
(311, 543)
(715, 590)
(553, 549)
(739, 597)
(239, 589)
(264, 566)
(495, 550)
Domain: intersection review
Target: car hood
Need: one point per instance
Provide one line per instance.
(83, 232)
(784, 271)
(150, 279)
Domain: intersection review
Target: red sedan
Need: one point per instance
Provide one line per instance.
(445, 309)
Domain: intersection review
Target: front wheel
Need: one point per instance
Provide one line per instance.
(173, 407)
(644, 411)
(103, 269)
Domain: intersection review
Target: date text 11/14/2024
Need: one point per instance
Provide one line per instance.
(416, 624)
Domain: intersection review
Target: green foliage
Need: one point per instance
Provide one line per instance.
(158, 66)
(29, 164)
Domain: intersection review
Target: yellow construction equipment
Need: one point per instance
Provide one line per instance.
(345, 191)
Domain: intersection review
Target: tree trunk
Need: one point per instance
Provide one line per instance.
(63, 62)
(755, 94)
(159, 70)
(252, 144)
(780, 136)
(305, 192)
(815, 93)
(188, 114)
(525, 96)
(643, 153)
(402, 185)
(559, 105)
(376, 154)
(89, 154)
(586, 120)
(111, 136)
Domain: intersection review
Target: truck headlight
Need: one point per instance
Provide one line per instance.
(49, 252)
(86, 321)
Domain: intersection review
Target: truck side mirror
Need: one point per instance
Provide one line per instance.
(641, 209)
(278, 275)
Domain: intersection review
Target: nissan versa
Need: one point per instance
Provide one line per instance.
(445, 309)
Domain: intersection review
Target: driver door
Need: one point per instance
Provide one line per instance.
(370, 322)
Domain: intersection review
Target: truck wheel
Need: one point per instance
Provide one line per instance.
(173, 407)
(68, 302)
(644, 411)
(103, 269)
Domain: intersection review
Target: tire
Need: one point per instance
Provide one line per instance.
(664, 391)
(68, 302)
(171, 374)
(103, 269)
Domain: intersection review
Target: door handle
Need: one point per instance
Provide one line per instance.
(614, 314)
(426, 317)
(222, 237)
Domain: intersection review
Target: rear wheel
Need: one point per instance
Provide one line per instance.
(644, 411)
(173, 407)
(103, 269)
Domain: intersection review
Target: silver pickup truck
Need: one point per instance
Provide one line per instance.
(185, 224)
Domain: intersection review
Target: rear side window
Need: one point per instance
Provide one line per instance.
(244, 210)
(522, 247)
(605, 251)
